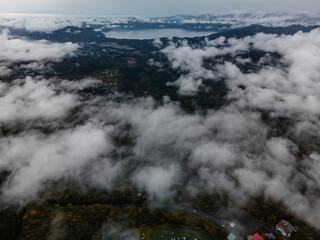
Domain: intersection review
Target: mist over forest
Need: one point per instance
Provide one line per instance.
(234, 113)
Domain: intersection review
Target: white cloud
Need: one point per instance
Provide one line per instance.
(36, 158)
(17, 50)
(240, 153)
(4, 71)
(238, 19)
(157, 180)
(34, 55)
(39, 23)
(50, 22)
(294, 89)
(231, 149)
(32, 99)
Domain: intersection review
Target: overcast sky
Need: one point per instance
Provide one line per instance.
(151, 7)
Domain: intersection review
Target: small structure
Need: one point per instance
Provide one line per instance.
(231, 236)
(256, 236)
(232, 224)
(270, 236)
(285, 228)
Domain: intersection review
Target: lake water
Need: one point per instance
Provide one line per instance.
(154, 33)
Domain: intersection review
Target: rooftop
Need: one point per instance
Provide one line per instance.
(270, 236)
(285, 226)
(257, 236)
(231, 236)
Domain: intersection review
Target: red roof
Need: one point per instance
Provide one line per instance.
(286, 227)
(257, 236)
(282, 224)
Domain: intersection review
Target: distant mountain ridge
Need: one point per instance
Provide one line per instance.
(89, 35)
(254, 29)
(247, 31)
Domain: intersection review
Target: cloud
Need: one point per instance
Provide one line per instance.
(157, 180)
(33, 99)
(288, 91)
(33, 55)
(18, 50)
(49, 23)
(294, 89)
(226, 150)
(285, 87)
(239, 149)
(4, 71)
(63, 154)
(238, 19)
(39, 23)
(189, 61)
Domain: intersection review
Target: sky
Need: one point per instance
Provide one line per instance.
(151, 7)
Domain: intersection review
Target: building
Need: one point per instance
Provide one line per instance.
(231, 236)
(285, 228)
(256, 236)
(270, 236)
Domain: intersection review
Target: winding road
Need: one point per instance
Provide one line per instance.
(200, 214)
(187, 210)
(184, 232)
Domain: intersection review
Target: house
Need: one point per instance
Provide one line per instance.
(285, 228)
(270, 236)
(232, 224)
(256, 236)
(231, 236)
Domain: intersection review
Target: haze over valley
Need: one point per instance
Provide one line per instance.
(130, 127)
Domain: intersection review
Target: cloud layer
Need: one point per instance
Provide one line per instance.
(239, 149)
(204, 22)
(18, 50)
(34, 55)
